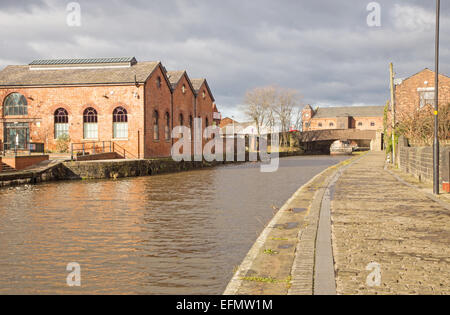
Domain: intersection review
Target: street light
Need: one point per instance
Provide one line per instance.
(436, 107)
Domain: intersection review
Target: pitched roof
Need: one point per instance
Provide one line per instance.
(175, 77)
(197, 84)
(28, 76)
(354, 111)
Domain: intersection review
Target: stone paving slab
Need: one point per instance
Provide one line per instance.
(378, 219)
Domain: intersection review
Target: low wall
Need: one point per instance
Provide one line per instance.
(98, 157)
(77, 170)
(22, 162)
(418, 161)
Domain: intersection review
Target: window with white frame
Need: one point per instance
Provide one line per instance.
(90, 124)
(61, 123)
(120, 123)
(426, 96)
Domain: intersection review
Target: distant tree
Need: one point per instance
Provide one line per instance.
(287, 105)
(257, 105)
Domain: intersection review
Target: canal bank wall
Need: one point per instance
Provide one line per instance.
(107, 169)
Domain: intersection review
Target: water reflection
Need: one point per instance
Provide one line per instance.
(170, 234)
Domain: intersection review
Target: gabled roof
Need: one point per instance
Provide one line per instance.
(197, 84)
(26, 75)
(175, 77)
(353, 111)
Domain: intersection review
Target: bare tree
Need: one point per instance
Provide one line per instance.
(288, 102)
(258, 103)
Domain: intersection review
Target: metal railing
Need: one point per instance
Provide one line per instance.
(28, 148)
(99, 147)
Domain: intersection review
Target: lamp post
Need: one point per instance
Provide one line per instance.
(436, 107)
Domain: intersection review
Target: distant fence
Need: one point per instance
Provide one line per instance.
(418, 161)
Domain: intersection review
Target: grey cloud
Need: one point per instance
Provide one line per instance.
(322, 48)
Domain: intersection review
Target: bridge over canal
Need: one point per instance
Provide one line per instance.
(321, 140)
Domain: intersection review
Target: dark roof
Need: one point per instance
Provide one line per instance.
(353, 111)
(27, 76)
(48, 62)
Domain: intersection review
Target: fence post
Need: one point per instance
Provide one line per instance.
(124, 153)
(71, 151)
(110, 146)
(93, 150)
(103, 146)
(83, 149)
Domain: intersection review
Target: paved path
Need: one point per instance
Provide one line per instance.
(377, 219)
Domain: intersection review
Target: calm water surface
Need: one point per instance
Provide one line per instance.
(180, 233)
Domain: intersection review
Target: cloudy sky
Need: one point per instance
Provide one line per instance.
(323, 48)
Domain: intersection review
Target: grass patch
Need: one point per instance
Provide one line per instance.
(260, 279)
(270, 252)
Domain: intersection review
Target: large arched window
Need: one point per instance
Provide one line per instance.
(120, 123)
(206, 122)
(15, 104)
(167, 127)
(90, 124)
(61, 118)
(155, 125)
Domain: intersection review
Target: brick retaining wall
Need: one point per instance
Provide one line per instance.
(418, 161)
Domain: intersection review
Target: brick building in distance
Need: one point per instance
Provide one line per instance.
(417, 92)
(351, 117)
(132, 104)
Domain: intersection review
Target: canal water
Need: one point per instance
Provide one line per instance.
(180, 233)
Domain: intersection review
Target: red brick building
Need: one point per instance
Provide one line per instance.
(132, 104)
(351, 117)
(417, 91)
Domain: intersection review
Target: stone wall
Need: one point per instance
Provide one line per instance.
(418, 161)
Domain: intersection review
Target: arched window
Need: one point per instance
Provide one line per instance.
(360, 124)
(204, 94)
(372, 124)
(181, 120)
(191, 122)
(206, 122)
(90, 124)
(120, 123)
(15, 104)
(155, 125)
(167, 127)
(183, 89)
(331, 124)
(320, 125)
(158, 82)
(61, 118)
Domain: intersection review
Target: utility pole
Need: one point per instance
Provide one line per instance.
(436, 150)
(391, 69)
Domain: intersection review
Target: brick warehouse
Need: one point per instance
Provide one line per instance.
(133, 104)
